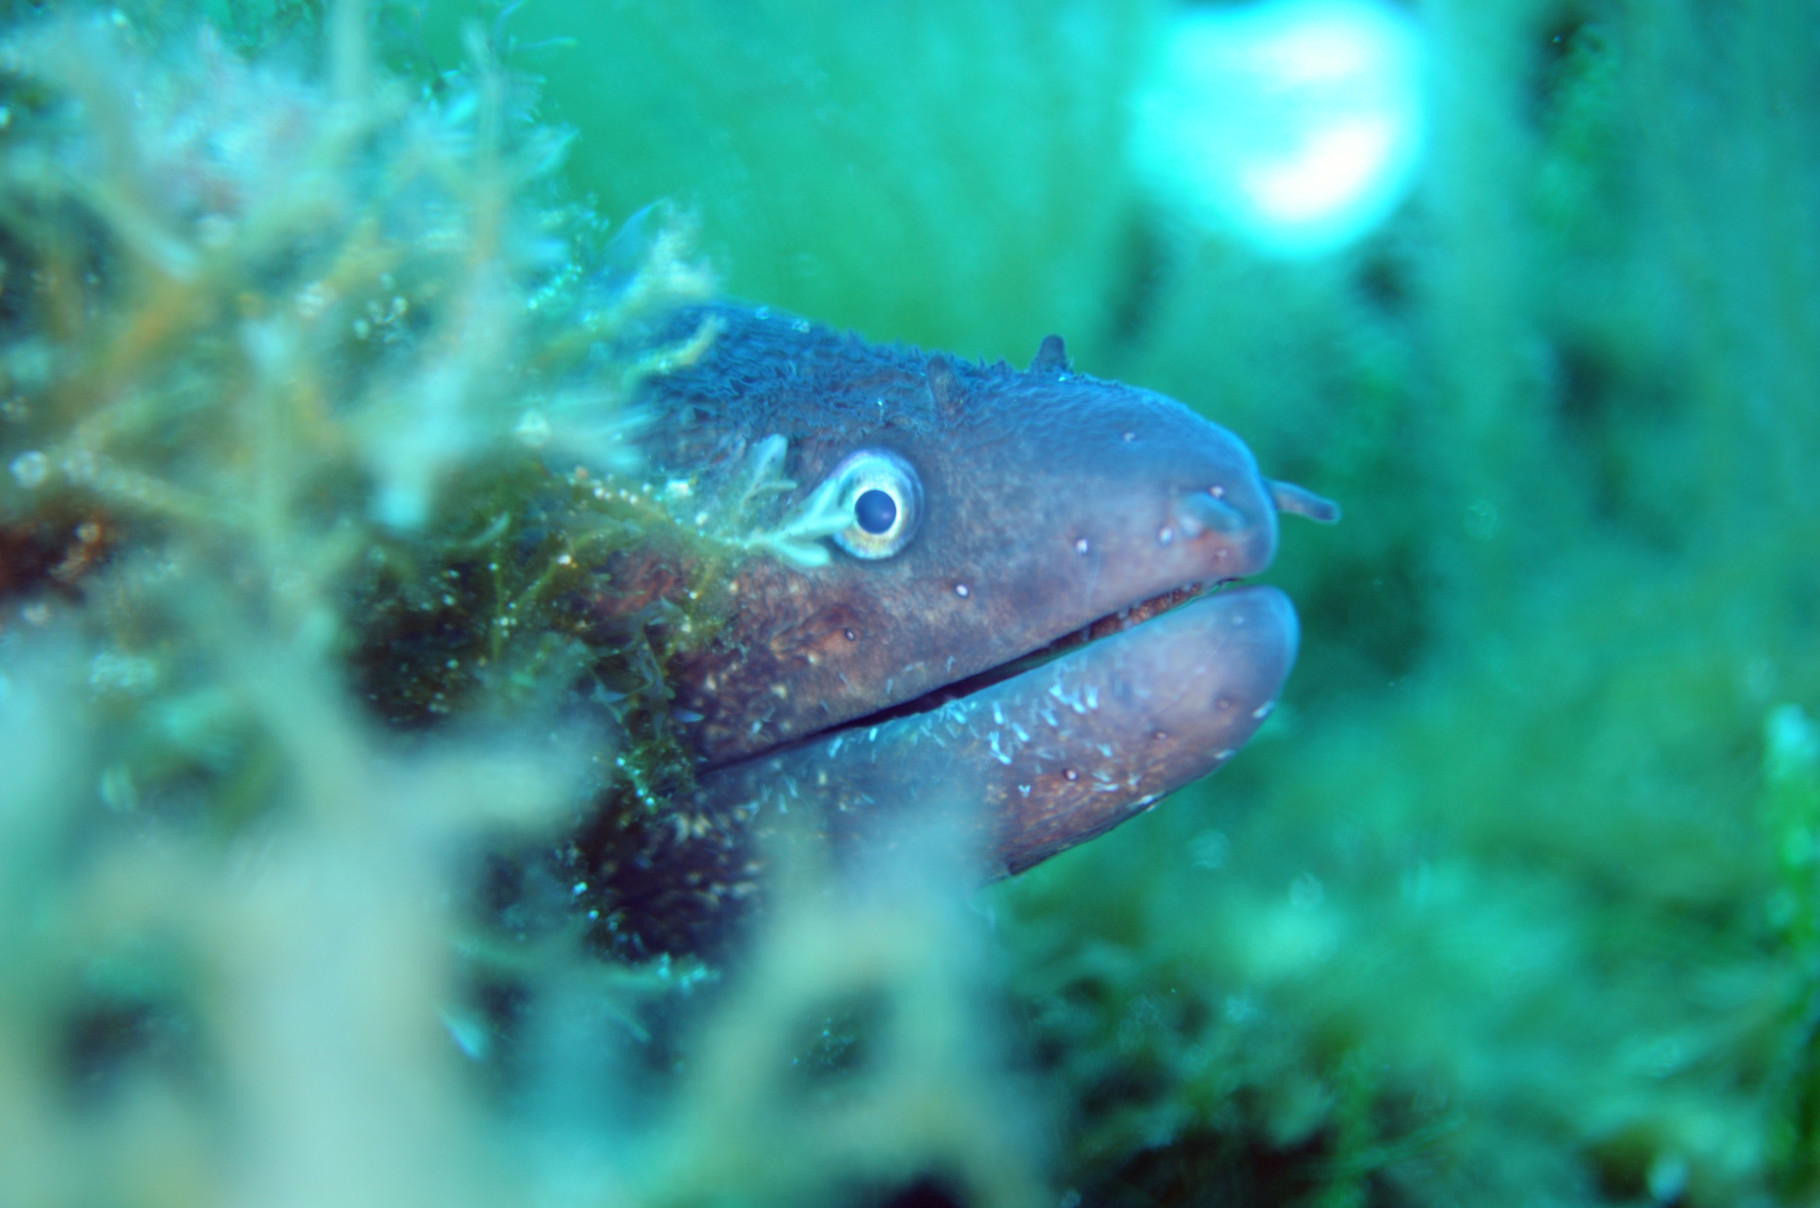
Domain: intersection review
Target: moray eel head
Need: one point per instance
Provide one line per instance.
(991, 520)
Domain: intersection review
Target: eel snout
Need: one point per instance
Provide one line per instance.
(1039, 762)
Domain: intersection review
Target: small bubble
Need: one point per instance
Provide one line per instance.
(313, 299)
(1070, 774)
(31, 469)
(850, 635)
(1482, 521)
(1209, 849)
(1080, 545)
(1165, 535)
(960, 589)
(1217, 491)
(533, 430)
(1130, 436)
(579, 888)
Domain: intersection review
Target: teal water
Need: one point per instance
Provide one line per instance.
(1514, 901)
(1508, 906)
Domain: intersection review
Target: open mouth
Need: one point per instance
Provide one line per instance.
(1044, 752)
(1112, 623)
(1018, 762)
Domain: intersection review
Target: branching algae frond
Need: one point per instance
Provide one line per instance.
(322, 346)
(313, 415)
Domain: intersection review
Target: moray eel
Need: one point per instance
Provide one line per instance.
(1021, 623)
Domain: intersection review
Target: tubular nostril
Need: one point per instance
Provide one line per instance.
(1302, 502)
(1198, 512)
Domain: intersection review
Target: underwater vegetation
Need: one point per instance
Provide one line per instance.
(315, 367)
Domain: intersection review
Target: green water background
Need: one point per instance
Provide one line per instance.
(1514, 900)
(1502, 906)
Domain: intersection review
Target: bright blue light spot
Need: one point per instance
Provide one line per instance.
(1296, 124)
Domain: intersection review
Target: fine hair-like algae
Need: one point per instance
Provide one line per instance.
(1514, 901)
(315, 420)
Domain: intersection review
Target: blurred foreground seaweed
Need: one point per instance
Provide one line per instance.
(1518, 905)
(285, 670)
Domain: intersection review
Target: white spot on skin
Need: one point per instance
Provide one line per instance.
(998, 714)
(960, 589)
(1263, 710)
(1070, 774)
(1165, 535)
(1080, 545)
(998, 754)
(1023, 790)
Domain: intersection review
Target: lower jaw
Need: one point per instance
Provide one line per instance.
(1033, 763)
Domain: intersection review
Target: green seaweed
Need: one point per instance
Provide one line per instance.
(1513, 900)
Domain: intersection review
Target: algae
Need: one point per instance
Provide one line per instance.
(1514, 901)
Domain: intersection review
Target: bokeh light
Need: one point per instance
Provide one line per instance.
(1296, 125)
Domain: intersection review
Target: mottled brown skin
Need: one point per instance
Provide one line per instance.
(1053, 502)
(1035, 764)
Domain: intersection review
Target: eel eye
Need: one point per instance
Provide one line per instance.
(882, 494)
